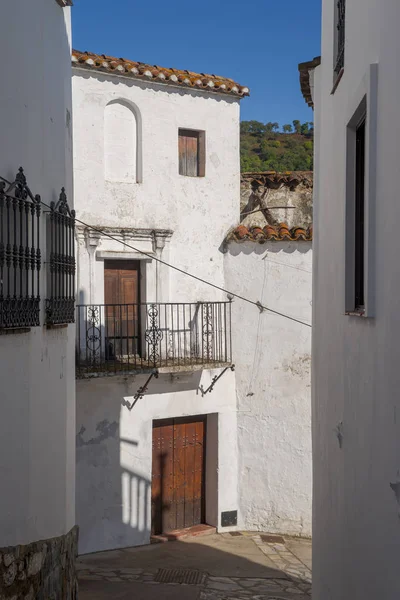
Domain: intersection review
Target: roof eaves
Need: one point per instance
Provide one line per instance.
(305, 84)
(157, 74)
(278, 233)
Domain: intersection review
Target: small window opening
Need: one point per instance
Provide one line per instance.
(191, 153)
(340, 36)
(359, 299)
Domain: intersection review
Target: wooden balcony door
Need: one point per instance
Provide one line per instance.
(178, 474)
(122, 311)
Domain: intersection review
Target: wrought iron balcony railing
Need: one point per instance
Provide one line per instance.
(113, 338)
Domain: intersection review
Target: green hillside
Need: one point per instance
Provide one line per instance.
(268, 147)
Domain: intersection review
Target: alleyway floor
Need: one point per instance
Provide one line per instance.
(238, 566)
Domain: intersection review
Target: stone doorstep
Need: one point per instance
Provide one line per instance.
(179, 534)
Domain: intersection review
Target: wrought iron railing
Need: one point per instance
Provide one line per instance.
(20, 255)
(134, 337)
(60, 301)
(340, 36)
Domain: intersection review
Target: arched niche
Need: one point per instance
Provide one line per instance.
(122, 142)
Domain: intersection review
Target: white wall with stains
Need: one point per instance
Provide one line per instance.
(356, 375)
(197, 210)
(114, 451)
(37, 373)
(127, 180)
(272, 356)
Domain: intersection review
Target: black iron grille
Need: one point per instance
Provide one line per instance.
(341, 21)
(20, 256)
(60, 302)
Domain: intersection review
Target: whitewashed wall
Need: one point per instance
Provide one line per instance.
(272, 356)
(356, 433)
(121, 184)
(37, 397)
(127, 176)
(114, 451)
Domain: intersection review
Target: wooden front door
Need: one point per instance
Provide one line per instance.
(178, 474)
(121, 297)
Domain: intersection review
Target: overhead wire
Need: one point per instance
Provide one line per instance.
(188, 274)
(179, 270)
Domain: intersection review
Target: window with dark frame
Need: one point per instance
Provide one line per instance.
(340, 36)
(60, 301)
(20, 254)
(191, 153)
(359, 221)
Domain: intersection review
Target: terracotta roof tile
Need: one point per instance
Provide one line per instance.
(304, 71)
(138, 70)
(279, 233)
(273, 179)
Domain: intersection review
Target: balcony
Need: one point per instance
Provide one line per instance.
(168, 337)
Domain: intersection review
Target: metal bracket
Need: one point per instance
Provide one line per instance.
(214, 381)
(142, 390)
(261, 308)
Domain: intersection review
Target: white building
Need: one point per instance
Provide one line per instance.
(37, 398)
(157, 178)
(156, 156)
(272, 355)
(355, 322)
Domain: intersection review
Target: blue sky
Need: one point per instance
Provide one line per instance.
(259, 43)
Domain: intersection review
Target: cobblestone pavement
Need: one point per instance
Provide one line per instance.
(294, 580)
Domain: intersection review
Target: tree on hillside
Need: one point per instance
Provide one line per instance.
(244, 127)
(256, 128)
(264, 147)
(304, 129)
(297, 126)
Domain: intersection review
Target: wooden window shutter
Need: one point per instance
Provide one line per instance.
(191, 153)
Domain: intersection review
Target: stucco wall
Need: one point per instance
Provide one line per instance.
(37, 397)
(114, 451)
(198, 210)
(356, 433)
(272, 356)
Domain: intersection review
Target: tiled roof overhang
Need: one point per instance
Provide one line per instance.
(280, 233)
(143, 71)
(304, 70)
(272, 179)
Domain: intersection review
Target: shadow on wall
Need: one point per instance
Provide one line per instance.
(112, 501)
(113, 470)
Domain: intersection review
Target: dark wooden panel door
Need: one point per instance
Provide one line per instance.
(178, 476)
(121, 297)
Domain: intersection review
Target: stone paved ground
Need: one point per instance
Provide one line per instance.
(110, 577)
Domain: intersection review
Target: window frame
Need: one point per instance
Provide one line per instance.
(361, 197)
(359, 217)
(339, 42)
(61, 270)
(201, 150)
(20, 255)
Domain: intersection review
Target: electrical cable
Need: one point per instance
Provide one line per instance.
(179, 270)
(251, 212)
(217, 287)
(163, 262)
